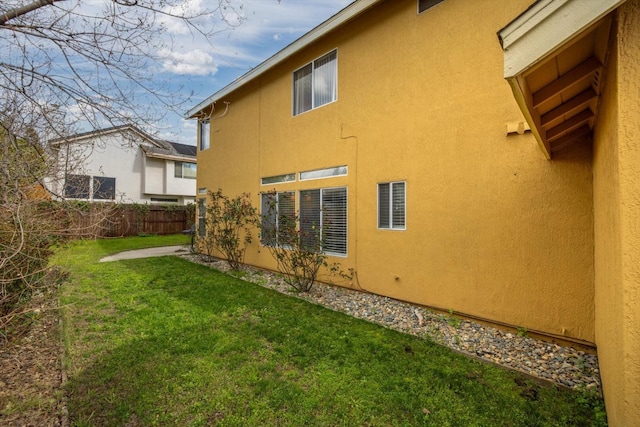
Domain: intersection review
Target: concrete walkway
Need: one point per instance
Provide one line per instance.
(148, 253)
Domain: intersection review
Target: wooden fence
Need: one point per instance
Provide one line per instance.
(103, 220)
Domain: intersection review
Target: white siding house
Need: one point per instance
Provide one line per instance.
(124, 164)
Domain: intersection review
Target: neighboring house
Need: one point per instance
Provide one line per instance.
(125, 164)
(391, 125)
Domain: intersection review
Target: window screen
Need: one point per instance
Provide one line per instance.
(278, 217)
(205, 135)
(391, 205)
(323, 219)
(77, 186)
(315, 84)
(104, 188)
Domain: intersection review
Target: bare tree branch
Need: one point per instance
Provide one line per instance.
(71, 64)
(19, 11)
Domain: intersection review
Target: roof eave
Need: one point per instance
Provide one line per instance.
(104, 132)
(171, 157)
(545, 27)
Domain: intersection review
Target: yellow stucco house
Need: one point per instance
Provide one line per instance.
(479, 156)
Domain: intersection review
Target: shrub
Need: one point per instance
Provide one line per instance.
(228, 226)
(298, 253)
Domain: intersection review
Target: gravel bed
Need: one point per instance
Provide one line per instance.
(566, 366)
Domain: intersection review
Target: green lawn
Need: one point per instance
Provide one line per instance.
(161, 341)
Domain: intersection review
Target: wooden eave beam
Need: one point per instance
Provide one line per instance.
(568, 125)
(576, 103)
(570, 138)
(568, 79)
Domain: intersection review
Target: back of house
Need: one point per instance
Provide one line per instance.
(392, 128)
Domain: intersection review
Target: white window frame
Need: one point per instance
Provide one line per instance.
(315, 81)
(90, 187)
(278, 179)
(201, 207)
(204, 134)
(323, 212)
(276, 220)
(324, 173)
(390, 206)
(181, 165)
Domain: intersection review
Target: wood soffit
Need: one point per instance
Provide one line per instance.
(562, 91)
(555, 54)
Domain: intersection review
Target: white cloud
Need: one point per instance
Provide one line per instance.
(268, 26)
(195, 62)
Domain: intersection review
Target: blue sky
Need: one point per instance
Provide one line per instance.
(263, 28)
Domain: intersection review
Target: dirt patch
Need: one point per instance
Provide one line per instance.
(31, 377)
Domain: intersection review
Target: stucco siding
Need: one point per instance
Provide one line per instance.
(617, 207)
(154, 179)
(494, 230)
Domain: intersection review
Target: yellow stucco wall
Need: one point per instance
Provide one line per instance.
(493, 229)
(616, 169)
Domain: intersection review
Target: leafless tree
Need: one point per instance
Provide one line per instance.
(99, 59)
(64, 62)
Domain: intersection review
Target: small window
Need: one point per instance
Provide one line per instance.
(278, 179)
(205, 134)
(427, 4)
(185, 170)
(202, 217)
(315, 84)
(163, 200)
(202, 190)
(104, 188)
(323, 173)
(391, 206)
(278, 217)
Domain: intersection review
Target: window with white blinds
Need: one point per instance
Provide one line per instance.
(323, 219)
(205, 134)
(202, 217)
(315, 84)
(392, 205)
(278, 212)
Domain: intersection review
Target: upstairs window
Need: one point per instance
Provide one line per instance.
(205, 134)
(185, 170)
(315, 84)
(427, 4)
(391, 206)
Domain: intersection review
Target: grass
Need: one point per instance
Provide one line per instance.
(161, 341)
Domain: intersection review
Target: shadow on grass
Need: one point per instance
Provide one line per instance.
(191, 346)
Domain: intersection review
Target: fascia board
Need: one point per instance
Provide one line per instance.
(170, 157)
(337, 20)
(545, 27)
(105, 132)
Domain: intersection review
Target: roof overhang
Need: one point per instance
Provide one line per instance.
(348, 13)
(100, 133)
(167, 156)
(554, 54)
